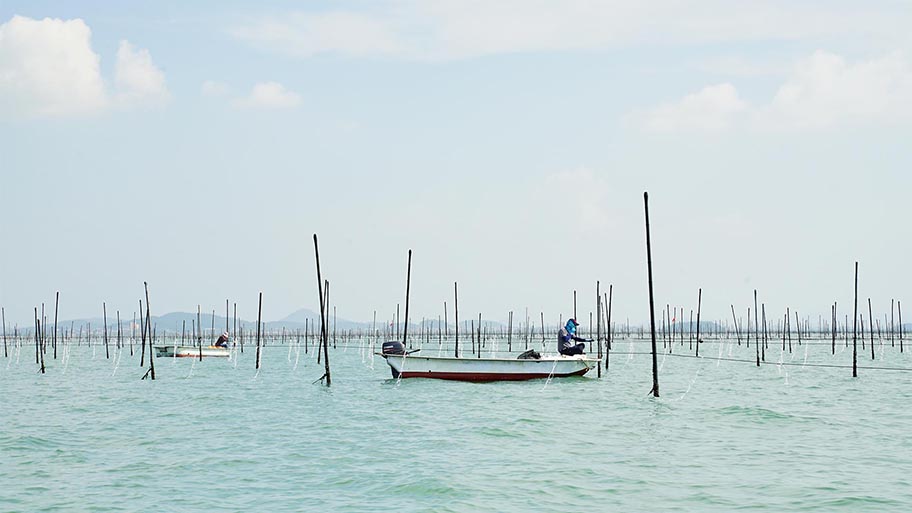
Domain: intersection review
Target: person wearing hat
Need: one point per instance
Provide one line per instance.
(222, 340)
(565, 338)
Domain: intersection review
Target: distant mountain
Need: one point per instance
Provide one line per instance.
(301, 315)
(174, 322)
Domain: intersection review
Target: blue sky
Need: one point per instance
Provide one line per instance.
(198, 146)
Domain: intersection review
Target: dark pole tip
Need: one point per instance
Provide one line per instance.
(645, 195)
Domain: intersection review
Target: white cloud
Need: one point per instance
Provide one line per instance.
(822, 91)
(825, 90)
(48, 69)
(137, 79)
(714, 108)
(306, 34)
(213, 88)
(738, 66)
(269, 95)
(448, 29)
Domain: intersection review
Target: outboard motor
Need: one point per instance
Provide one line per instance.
(393, 347)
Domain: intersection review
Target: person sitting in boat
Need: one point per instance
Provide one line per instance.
(222, 340)
(565, 338)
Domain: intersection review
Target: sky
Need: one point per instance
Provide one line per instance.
(199, 146)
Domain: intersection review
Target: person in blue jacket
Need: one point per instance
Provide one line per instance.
(565, 338)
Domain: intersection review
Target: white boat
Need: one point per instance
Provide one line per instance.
(487, 369)
(191, 351)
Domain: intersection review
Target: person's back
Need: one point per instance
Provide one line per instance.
(222, 340)
(565, 338)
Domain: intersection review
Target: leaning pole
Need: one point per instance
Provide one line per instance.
(652, 319)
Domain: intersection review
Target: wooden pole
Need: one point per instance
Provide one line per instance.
(735, 323)
(609, 348)
(456, 309)
(39, 354)
(699, 304)
(892, 343)
(598, 323)
(323, 338)
(478, 354)
(326, 336)
(510, 333)
(542, 313)
(472, 337)
(151, 370)
(104, 310)
(199, 333)
(259, 318)
(655, 362)
(855, 328)
(871, 320)
(765, 334)
(5, 350)
(899, 311)
(56, 304)
(408, 283)
(756, 331)
(43, 330)
(788, 328)
(142, 335)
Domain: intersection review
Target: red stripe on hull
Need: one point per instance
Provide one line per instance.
(486, 376)
(194, 356)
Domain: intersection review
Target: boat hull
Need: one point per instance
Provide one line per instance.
(191, 352)
(488, 369)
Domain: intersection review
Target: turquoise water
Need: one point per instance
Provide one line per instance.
(216, 436)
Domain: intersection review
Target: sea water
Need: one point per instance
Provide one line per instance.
(215, 435)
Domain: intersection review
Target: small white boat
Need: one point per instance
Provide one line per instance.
(192, 352)
(408, 365)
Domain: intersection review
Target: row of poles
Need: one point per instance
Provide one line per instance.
(323, 287)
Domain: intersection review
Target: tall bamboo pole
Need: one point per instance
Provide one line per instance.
(151, 370)
(259, 324)
(104, 310)
(699, 304)
(56, 304)
(756, 331)
(408, 283)
(598, 323)
(855, 328)
(655, 362)
(456, 309)
(323, 338)
(871, 320)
